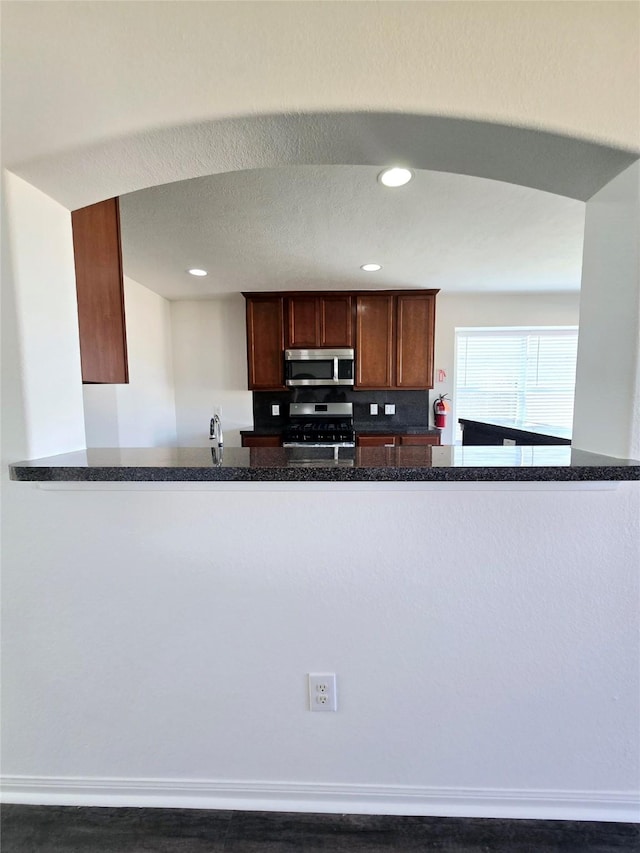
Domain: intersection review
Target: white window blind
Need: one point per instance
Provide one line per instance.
(516, 373)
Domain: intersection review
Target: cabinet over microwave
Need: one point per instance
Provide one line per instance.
(318, 367)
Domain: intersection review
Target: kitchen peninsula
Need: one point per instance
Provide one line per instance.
(496, 431)
(359, 464)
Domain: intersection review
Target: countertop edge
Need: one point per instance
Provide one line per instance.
(358, 430)
(302, 474)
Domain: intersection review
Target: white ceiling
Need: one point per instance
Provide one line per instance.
(311, 227)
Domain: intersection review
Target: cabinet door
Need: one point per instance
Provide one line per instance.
(364, 440)
(261, 441)
(100, 292)
(265, 343)
(336, 320)
(419, 440)
(415, 321)
(375, 340)
(303, 328)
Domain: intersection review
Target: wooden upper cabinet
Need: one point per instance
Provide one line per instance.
(336, 320)
(375, 340)
(303, 329)
(415, 327)
(392, 332)
(265, 342)
(100, 292)
(319, 320)
(395, 339)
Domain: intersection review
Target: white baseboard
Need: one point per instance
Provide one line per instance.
(318, 797)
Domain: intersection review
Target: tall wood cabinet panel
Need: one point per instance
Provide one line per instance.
(415, 327)
(303, 322)
(265, 342)
(336, 320)
(100, 292)
(375, 340)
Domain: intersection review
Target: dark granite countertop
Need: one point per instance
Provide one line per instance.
(514, 425)
(361, 430)
(446, 463)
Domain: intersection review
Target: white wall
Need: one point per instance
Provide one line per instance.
(491, 309)
(608, 371)
(141, 413)
(158, 641)
(40, 323)
(187, 359)
(210, 368)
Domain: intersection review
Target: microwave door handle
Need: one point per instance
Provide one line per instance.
(335, 368)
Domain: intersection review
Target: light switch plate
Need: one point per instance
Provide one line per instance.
(275, 409)
(373, 408)
(389, 409)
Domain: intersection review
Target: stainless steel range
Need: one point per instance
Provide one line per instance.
(319, 425)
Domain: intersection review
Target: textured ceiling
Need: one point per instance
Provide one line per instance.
(127, 95)
(312, 227)
(97, 71)
(123, 96)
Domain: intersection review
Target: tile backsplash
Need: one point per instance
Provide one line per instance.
(412, 407)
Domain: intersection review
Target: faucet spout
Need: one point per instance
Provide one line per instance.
(215, 430)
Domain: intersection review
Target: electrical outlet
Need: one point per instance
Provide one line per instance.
(373, 408)
(322, 691)
(275, 409)
(389, 409)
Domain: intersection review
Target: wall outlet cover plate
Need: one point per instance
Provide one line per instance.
(322, 691)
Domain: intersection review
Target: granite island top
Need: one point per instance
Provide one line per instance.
(520, 426)
(439, 463)
(363, 430)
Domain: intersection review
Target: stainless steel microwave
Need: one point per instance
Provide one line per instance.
(318, 366)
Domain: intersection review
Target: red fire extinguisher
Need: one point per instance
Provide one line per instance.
(440, 409)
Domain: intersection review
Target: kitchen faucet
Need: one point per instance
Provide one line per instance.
(215, 430)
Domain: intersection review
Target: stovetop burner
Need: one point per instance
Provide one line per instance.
(328, 424)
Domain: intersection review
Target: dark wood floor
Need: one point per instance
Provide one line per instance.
(65, 829)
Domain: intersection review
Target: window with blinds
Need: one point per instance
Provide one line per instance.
(516, 373)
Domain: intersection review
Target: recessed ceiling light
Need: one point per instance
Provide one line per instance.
(370, 267)
(197, 272)
(397, 176)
